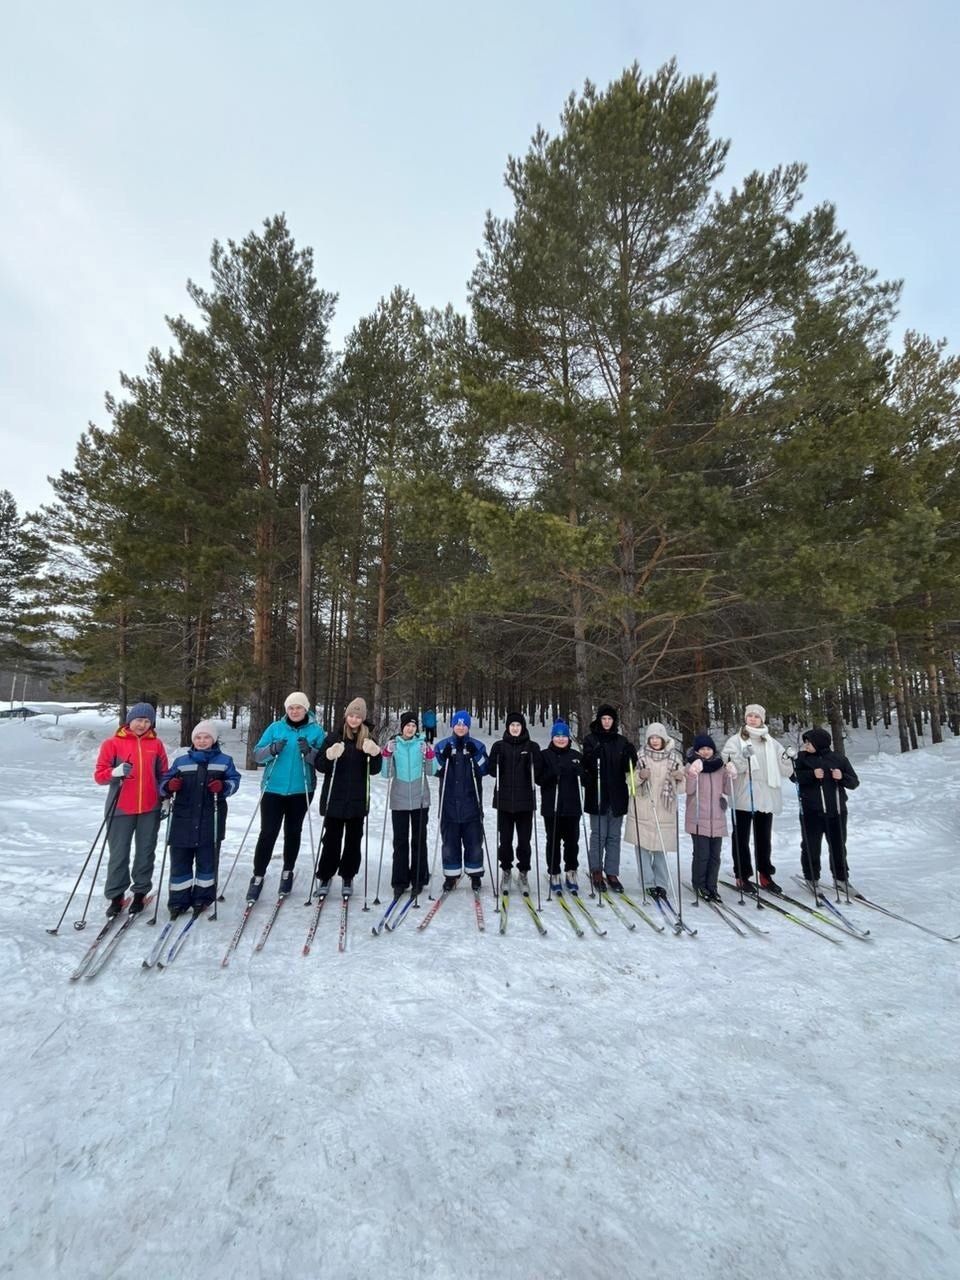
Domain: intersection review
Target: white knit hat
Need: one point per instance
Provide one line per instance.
(205, 726)
(755, 709)
(296, 700)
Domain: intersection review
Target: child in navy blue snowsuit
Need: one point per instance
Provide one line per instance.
(198, 784)
(463, 762)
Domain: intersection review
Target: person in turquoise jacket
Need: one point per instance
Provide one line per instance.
(410, 762)
(288, 787)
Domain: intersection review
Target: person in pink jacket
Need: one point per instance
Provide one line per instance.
(708, 790)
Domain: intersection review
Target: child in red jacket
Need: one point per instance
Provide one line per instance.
(132, 763)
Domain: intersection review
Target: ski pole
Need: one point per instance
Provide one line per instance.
(308, 797)
(586, 838)
(536, 838)
(663, 850)
(216, 851)
(735, 841)
(263, 786)
(323, 826)
(636, 823)
(483, 830)
(805, 846)
(103, 822)
(163, 860)
(82, 922)
(436, 844)
(753, 825)
(391, 766)
(826, 828)
(366, 840)
(843, 843)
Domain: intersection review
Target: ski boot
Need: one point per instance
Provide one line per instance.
(254, 887)
(614, 885)
(114, 907)
(136, 906)
(286, 882)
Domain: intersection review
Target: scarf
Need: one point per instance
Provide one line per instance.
(668, 793)
(763, 742)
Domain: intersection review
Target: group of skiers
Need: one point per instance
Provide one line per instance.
(608, 781)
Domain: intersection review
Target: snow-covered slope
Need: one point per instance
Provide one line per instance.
(451, 1104)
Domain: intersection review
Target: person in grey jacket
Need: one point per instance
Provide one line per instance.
(410, 761)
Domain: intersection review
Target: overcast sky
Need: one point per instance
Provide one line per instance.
(133, 134)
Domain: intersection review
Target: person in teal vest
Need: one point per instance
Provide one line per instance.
(410, 762)
(285, 748)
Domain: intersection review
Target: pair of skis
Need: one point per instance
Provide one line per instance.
(392, 918)
(438, 903)
(855, 896)
(528, 903)
(156, 954)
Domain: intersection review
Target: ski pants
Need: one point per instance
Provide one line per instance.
(276, 811)
(655, 873)
(140, 830)
(604, 854)
(565, 832)
(462, 846)
(813, 827)
(762, 826)
(509, 824)
(705, 868)
(193, 876)
(410, 863)
(347, 832)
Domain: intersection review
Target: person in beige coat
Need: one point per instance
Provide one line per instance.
(652, 816)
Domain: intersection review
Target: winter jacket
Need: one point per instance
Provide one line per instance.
(429, 719)
(407, 771)
(285, 776)
(346, 790)
(460, 778)
(761, 764)
(515, 763)
(194, 808)
(560, 781)
(653, 804)
(819, 794)
(708, 796)
(607, 757)
(140, 790)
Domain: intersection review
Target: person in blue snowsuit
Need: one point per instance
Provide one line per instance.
(463, 762)
(430, 725)
(198, 784)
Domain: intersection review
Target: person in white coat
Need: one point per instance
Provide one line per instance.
(761, 765)
(652, 816)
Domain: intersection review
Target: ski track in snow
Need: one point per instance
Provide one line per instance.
(451, 1104)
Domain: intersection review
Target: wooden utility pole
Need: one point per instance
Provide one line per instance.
(304, 638)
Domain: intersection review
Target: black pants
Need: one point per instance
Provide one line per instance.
(347, 832)
(411, 866)
(507, 825)
(762, 826)
(430, 734)
(705, 868)
(813, 827)
(288, 811)
(563, 831)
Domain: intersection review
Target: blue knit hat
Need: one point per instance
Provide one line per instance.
(704, 740)
(142, 710)
(460, 717)
(560, 729)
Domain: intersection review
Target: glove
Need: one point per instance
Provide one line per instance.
(470, 747)
(818, 773)
(305, 747)
(836, 774)
(643, 774)
(429, 753)
(370, 747)
(447, 752)
(730, 769)
(123, 770)
(175, 784)
(387, 751)
(748, 751)
(790, 753)
(214, 786)
(677, 775)
(696, 766)
(277, 746)
(335, 752)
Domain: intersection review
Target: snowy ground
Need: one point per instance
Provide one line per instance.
(450, 1104)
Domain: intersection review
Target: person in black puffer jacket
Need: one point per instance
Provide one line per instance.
(515, 764)
(561, 780)
(347, 759)
(823, 778)
(608, 762)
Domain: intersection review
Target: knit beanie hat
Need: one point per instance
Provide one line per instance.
(704, 740)
(296, 700)
(460, 717)
(142, 711)
(818, 738)
(356, 708)
(205, 726)
(605, 709)
(408, 717)
(560, 729)
(755, 709)
(514, 717)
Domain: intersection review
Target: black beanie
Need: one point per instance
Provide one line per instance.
(514, 717)
(408, 717)
(704, 740)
